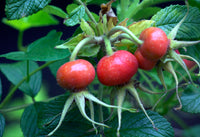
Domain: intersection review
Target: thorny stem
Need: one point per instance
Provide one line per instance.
(12, 91)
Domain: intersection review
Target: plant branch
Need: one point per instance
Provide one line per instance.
(83, 42)
(14, 108)
(12, 91)
(87, 11)
(20, 41)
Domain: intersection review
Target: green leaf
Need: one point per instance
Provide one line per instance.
(39, 19)
(15, 72)
(125, 8)
(89, 50)
(169, 17)
(195, 3)
(146, 13)
(55, 66)
(16, 9)
(191, 99)
(86, 28)
(2, 123)
(0, 89)
(16, 55)
(42, 49)
(85, 51)
(28, 122)
(137, 125)
(71, 7)
(71, 44)
(55, 11)
(137, 27)
(75, 16)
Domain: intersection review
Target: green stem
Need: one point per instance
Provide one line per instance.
(83, 42)
(100, 94)
(12, 91)
(108, 46)
(124, 29)
(20, 41)
(144, 4)
(147, 80)
(87, 11)
(14, 108)
(121, 37)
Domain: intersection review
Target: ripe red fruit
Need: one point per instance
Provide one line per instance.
(143, 62)
(117, 69)
(188, 63)
(155, 43)
(75, 75)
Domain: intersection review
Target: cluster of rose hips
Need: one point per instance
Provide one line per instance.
(117, 69)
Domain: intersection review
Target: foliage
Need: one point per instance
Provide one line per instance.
(118, 110)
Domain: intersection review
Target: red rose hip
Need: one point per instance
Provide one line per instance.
(143, 62)
(75, 75)
(155, 43)
(117, 69)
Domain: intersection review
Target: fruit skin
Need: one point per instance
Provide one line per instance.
(188, 63)
(143, 62)
(155, 43)
(117, 69)
(75, 75)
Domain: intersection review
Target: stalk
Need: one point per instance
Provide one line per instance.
(12, 91)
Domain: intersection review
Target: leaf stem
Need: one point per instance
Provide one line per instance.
(14, 108)
(87, 11)
(12, 91)
(83, 42)
(20, 41)
(127, 31)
